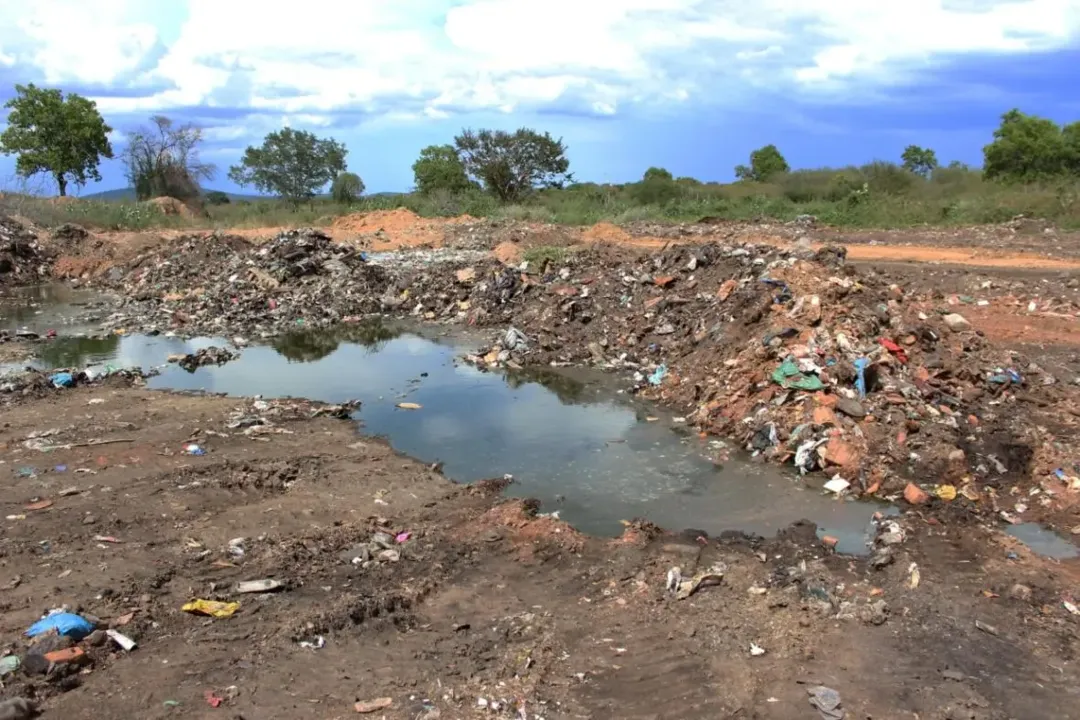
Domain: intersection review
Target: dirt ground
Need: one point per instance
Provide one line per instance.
(478, 606)
(487, 605)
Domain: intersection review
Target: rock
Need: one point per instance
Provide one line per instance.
(851, 408)
(96, 638)
(915, 495)
(956, 322)
(1020, 592)
(466, 275)
(875, 613)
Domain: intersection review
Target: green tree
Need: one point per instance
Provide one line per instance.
(919, 160)
(765, 163)
(1070, 135)
(1027, 147)
(347, 188)
(511, 165)
(657, 187)
(162, 159)
(293, 164)
(65, 137)
(439, 168)
(216, 197)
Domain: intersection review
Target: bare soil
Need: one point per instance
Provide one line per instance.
(488, 604)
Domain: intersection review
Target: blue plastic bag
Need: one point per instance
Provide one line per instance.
(74, 626)
(62, 379)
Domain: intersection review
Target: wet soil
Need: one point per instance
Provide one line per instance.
(488, 605)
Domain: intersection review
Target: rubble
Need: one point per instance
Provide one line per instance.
(203, 285)
(212, 355)
(23, 259)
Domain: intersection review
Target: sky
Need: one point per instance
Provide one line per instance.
(689, 85)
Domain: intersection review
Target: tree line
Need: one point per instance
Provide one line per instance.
(65, 137)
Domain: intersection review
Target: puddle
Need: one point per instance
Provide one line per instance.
(54, 306)
(1043, 541)
(569, 440)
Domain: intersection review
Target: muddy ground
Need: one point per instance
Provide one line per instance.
(487, 601)
(478, 606)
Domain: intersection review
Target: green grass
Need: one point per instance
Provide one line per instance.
(878, 195)
(538, 256)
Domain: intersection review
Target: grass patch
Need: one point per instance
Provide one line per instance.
(878, 195)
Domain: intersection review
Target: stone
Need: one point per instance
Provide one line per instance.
(851, 408)
(956, 322)
(1020, 592)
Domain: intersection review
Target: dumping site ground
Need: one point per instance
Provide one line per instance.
(200, 555)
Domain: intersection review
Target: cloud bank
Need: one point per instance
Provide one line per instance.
(436, 57)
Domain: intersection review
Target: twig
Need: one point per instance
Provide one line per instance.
(92, 443)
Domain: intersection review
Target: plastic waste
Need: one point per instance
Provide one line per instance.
(788, 375)
(120, 639)
(193, 449)
(9, 664)
(860, 375)
(213, 608)
(827, 702)
(62, 379)
(259, 586)
(657, 375)
(73, 626)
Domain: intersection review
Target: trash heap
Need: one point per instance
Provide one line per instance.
(206, 285)
(212, 355)
(795, 354)
(23, 259)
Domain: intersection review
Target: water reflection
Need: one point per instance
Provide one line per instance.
(77, 352)
(312, 345)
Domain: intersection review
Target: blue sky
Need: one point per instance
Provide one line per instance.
(690, 85)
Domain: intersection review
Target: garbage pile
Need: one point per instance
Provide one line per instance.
(212, 355)
(36, 383)
(23, 259)
(58, 648)
(794, 353)
(204, 285)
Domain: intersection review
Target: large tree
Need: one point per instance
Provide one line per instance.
(1029, 147)
(293, 164)
(162, 159)
(65, 137)
(511, 165)
(919, 160)
(765, 163)
(440, 168)
(347, 188)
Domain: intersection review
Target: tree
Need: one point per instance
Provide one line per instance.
(347, 188)
(921, 161)
(162, 160)
(657, 187)
(216, 197)
(293, 164)
(1028, 147)
(440, 168)
(511, 165)
(65, 137)
(765, 163)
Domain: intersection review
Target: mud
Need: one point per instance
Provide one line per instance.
(487, 607)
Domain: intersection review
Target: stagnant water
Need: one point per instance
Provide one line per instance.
(596, 456)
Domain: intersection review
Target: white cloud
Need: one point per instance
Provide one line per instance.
(436, 57)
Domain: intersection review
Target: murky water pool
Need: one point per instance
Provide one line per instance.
(594, 455)
(1043, 541)
(40, 308)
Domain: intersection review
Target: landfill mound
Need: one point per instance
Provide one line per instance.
(800, 357)
(23, 259)
(218, 283)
